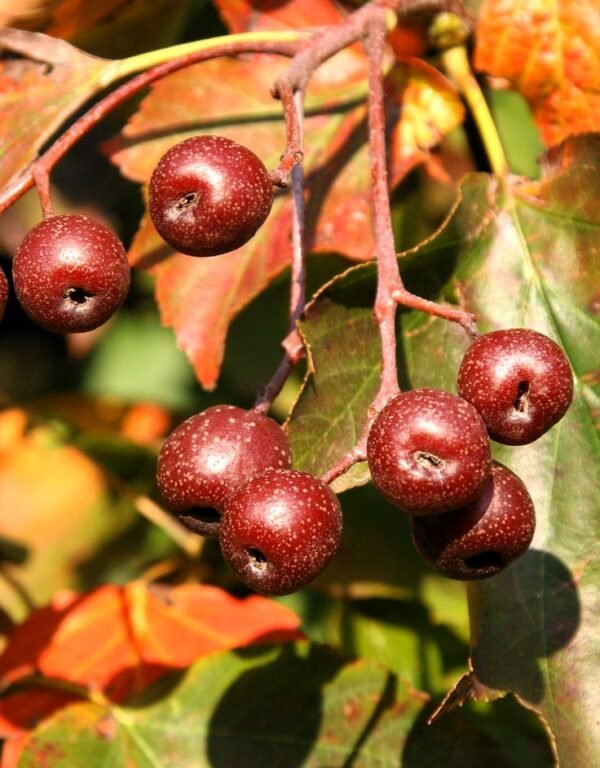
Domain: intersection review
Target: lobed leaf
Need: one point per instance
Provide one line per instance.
(550, 53)
(520, 253)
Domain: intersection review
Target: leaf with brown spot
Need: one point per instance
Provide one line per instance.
(120, 639)
(550, 52)
(519, 254)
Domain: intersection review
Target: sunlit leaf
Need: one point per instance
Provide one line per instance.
(120, 639)
(429, 108)
(56, 502)
(525, 254)
(296, 705)
(38, 92)
(550, 52)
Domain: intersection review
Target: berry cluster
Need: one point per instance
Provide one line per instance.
(429, 451)
(226, 472)
(208, 195)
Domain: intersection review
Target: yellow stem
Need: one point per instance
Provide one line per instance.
(121, 68)
(456, 63)
(190, 543)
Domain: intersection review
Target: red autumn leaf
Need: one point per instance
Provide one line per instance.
(550, 52)
(254, 15)
(120, 639)
(199, 297)
(38, 92)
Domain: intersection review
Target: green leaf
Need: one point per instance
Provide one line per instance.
(293, 706)
(343, 350)
(288, 705)
(524, 254)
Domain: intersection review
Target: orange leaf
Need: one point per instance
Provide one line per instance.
(430, 108)
(252, 15)
(53, 500)
(199, 297)
(120, 639)
(38, 93)
(550, 52)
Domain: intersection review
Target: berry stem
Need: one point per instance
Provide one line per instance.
(291, 345)
(46, 162)
(388, 274)
(132, 65)
(458, 68)
(188, 542)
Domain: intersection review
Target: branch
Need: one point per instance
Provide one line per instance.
(46, 162)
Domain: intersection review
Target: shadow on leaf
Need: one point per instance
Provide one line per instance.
(520, 617)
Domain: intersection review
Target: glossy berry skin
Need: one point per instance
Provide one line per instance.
(3, 293)
(207, 457)
(280, 530)
(209, 195)
(519, 380)
(429, 451)
(482, 538)
(70, 273)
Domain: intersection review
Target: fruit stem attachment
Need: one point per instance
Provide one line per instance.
(458, 69)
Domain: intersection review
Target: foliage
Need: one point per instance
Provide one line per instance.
(126, 640)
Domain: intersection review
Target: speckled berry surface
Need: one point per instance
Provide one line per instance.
(280, 530)
(3, 293)
(519, 380)
(70, 273)
(207, 457)
(482, 538)
(209, 195)
(429, 451)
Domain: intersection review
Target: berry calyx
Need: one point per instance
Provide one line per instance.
(280, 530)
(3, 293)
(429, 452)
(209, 195)
(207, 457)
(482, 538)
(519, 380)
(70, 273)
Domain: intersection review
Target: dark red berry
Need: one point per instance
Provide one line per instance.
(3, 293)
(71, 273)
(280, 530)
(519, 380)
(205, 459)
(429, 452)
(482, 538)
(209, 195)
